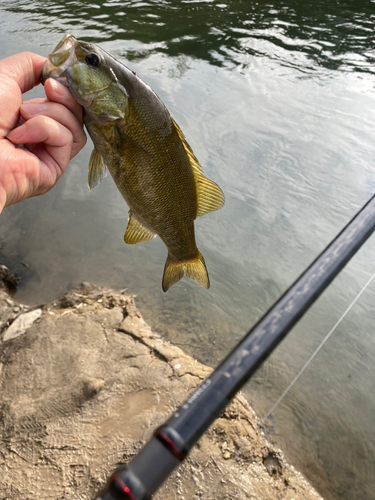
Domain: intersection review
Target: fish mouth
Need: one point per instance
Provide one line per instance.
(62, 58)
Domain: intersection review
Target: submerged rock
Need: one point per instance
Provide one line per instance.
(8, 281)
(84, 389)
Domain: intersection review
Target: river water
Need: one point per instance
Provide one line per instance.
(277, 100)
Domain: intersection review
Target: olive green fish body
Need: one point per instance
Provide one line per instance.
(146, 153)
(166, 205)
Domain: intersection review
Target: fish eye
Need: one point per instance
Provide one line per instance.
(92, 59)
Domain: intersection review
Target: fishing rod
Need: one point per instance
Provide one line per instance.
(171, 442)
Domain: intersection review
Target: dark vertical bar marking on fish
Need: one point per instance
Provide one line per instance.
(173, 440)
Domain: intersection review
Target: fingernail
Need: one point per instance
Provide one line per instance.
(57, 87)
(34, 108)
(17, 133)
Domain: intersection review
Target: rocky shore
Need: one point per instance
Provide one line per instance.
(84, 382)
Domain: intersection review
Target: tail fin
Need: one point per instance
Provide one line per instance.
(193, 268)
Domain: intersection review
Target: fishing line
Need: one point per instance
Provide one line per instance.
(258, 427)
(316, 351)
(171, 442)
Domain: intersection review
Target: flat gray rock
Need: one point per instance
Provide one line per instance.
(21, 324)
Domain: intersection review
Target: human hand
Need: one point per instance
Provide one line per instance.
(38, 137)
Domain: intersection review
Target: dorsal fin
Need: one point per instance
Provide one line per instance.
(136, 232)
(209, 196)
(191, 156)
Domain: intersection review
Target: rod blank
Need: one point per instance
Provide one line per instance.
(171, 443)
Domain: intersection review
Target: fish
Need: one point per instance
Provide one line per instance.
(138, 142)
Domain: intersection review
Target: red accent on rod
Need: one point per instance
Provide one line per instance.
(124, 487)
(171, 445)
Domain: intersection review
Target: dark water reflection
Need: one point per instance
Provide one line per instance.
(278, 102)
(318, 34)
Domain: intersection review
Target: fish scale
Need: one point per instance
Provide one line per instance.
(145, 151)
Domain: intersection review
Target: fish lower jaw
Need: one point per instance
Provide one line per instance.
(60, 61)
(51, 71)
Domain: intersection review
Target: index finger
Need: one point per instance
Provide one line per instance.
(25, 68)
(56, 92)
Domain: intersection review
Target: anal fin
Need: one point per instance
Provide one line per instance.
(136, 232)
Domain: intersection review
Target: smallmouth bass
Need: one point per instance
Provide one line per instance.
(145, 151)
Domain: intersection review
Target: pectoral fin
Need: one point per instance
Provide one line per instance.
(136, 232)
(97, 169)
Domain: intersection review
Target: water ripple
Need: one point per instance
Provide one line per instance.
(334, 36)
(278, 102)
